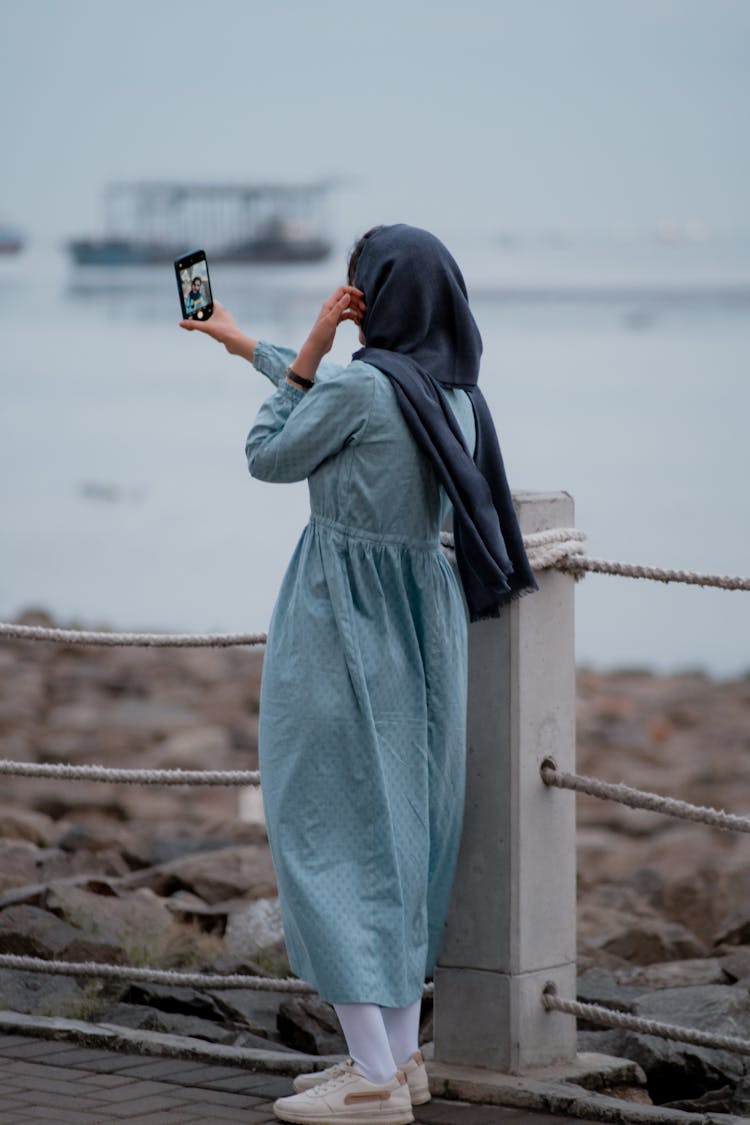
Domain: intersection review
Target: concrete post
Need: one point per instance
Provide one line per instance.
(512, 922)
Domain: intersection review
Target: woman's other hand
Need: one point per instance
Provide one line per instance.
(345, 303)
(222, 326)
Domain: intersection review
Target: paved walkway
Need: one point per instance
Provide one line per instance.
(64, 1084)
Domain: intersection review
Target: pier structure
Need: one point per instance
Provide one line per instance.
(153, 222)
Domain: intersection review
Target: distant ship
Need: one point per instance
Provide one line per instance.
(154, 223)
(11, 240)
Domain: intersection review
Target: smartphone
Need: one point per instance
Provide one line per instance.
(194, 286)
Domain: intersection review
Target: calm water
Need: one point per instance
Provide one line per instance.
(126, 500)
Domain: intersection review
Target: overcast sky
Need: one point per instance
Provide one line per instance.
(484, 114)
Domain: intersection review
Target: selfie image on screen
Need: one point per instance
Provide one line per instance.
(195, 288)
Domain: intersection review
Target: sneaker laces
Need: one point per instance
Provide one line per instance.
(343, 1070)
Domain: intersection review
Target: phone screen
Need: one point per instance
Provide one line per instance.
(194, 286)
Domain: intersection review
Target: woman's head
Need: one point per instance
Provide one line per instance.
(416, 301)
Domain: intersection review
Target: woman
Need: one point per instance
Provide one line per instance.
(363, 697)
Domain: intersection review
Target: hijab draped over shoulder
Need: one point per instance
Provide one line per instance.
(421, 333)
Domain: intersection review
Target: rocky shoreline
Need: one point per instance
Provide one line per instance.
(182, 878)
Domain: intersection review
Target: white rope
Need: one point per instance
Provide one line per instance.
(154, 976)
(130, 777)
(641, 799)
(545, 549)
(576, 564)
(160, 976)
(146, 640)
(559, 547)
(609, 1018)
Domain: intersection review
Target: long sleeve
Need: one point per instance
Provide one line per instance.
(294, 432)
(272, 361)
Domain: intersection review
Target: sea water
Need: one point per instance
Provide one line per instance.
(617, 371)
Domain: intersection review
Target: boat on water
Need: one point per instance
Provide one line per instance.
(152, 223)
(11, 240)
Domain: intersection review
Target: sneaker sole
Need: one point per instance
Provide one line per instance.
(396, 1117)
(420, 1094)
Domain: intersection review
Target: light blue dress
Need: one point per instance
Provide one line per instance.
(363, 695)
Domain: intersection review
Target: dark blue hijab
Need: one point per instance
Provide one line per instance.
(421, 333)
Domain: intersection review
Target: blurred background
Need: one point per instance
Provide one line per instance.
(588, 165)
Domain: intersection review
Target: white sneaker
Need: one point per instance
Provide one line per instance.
(416, 1077)
(414, 1069)
(348, 1098)
(306, 1081)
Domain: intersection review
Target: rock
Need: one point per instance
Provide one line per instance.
(635, 1094)
(717, 1100)
(173, 998)
(256, 927)
(25, 824)
(133, 922)
(598, 986)
(255, 1010)
(18, 865)
(54, 863)
(151, 715)
(165, 849)
(29, 931)
(675, 974)
(735, 927)
(39, 994)
(96, 836)
(240, 870)
(154, 1019)
(736, 965)
(201, 747)
(680, 1070)
(647, 940)
(310, 1025)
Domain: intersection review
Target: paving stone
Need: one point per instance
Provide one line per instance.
(27, 1079)
(199, 1075)
(59, 1055)
(202, 1096)
(163, 1117)
(65, 1117)
(13, 1040)
(271, 1086)
(136, 1108)
(107, 1080)
(115, 1061)
(165, 1070)
(230, 1113)
(31, 1048)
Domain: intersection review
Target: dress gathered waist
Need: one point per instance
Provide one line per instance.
(379, 537)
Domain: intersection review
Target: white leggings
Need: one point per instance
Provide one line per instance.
(380, 1039)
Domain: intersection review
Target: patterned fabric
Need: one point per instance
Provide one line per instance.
(363, 696)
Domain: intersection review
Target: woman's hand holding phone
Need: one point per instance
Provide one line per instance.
(223, 327)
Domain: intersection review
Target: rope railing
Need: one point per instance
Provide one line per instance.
(609, 1018)
(149, 975)
(143, 640)
(64, 772)
(641, 798)
(559, 548)
(576, 564)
